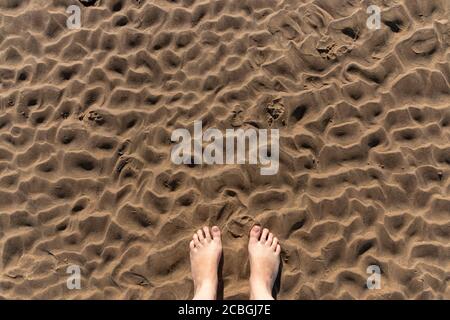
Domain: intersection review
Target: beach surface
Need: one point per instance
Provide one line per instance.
(86, 117)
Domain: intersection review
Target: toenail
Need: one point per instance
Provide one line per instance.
(215, 228)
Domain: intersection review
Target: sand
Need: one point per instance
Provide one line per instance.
(86, 117)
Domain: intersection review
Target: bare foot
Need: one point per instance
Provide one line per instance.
(264, 253)
(206, 250)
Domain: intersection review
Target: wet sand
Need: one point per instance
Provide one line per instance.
(86, 118)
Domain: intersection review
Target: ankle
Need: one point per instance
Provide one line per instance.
(260, 290)
(260, 283)
(207, 290)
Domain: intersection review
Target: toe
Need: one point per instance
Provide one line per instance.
(255, 232)
(196, 240)
(274, 243)
(201, 236)
(269, 239)
(278, 249)
(192, 245)
(207, 234)
(264, 235)
(215, 233)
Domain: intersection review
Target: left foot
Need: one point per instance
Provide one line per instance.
(206, 250)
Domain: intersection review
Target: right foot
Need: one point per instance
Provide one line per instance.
(205, 253)
(264, 253)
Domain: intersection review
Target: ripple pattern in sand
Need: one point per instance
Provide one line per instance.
(86, 117)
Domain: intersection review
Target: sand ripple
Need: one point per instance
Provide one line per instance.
(85, 123)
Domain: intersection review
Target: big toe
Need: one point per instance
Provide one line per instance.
(255, 233)
(215, 232)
